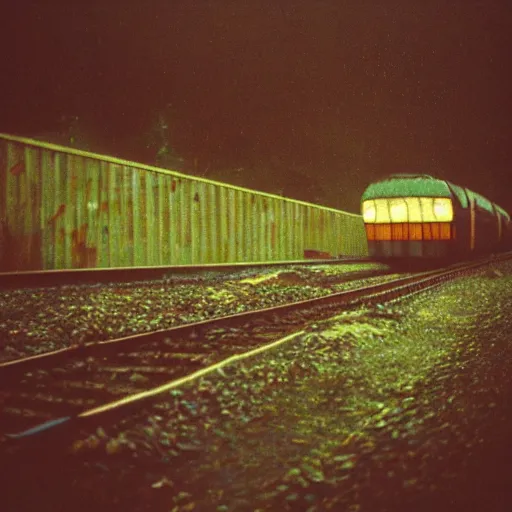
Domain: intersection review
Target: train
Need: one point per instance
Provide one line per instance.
(418, 216)
(63, 208)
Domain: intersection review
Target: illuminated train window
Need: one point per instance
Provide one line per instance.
(407, 209)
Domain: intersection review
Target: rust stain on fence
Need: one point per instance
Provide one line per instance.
(60, 211)
(17, 169)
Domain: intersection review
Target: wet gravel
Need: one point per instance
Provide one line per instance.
(399, 407)
(33, 321)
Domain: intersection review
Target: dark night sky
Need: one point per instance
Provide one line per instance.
(338, 91)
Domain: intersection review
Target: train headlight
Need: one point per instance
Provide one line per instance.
(443, 210)
(369, 211)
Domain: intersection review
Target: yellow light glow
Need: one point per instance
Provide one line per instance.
(382, 209)
(398, 210)
(413, 205)
(443, 210)
(369, 212)
(407, 209)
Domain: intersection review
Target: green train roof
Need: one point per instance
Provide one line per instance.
(418, 185)
(502, 212)
(413, 185)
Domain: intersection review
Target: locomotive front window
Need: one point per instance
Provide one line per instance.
(443, 210)
(369, 211)
(437, 209)
(398, 210)
(414, 208)
(382, 210)
(407, 209)
(376, 211)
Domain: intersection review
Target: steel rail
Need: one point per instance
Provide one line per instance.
(45, 278)
(389, 291)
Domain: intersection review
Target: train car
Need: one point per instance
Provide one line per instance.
(412, 216)
(62, 208)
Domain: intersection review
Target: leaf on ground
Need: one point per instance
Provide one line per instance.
(137, 377)
(314, 474)
(347, 465)
(188, 447)
(113, 446)
(292, 474)
(163, 482)
(343, 458)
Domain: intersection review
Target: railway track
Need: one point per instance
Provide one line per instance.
(46, 319)
(44, 278)
(100, 382)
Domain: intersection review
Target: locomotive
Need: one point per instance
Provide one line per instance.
(415, 216)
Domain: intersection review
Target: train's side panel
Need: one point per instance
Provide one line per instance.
(63, 208)
(485, 224)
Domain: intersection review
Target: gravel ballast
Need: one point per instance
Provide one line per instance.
(34, 321)
(399, 407)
